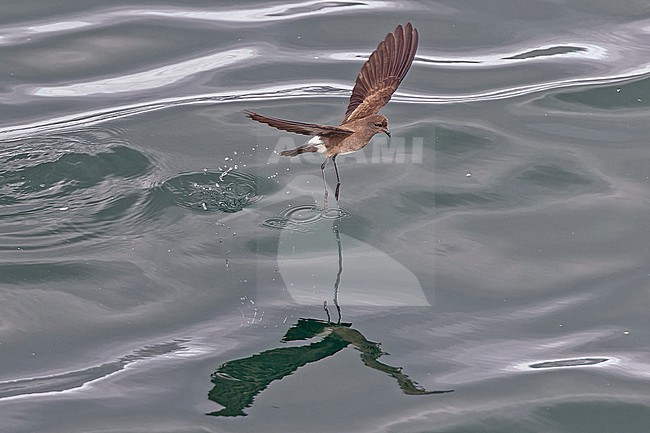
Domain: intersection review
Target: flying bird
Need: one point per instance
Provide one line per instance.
(379, 78)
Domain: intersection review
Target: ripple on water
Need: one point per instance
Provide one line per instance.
(299, 218)
(228, 191)
(72, 379)
(576, 362)
(60, 189)
(615, 96)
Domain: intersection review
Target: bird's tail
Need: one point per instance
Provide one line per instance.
(297, 151)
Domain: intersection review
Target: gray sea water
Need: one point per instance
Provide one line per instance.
(162, 269)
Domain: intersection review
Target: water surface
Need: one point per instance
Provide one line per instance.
(163, 269)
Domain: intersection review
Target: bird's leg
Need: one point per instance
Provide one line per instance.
(322, 170)
(338, 180)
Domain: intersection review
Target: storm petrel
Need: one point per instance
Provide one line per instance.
(379, 78)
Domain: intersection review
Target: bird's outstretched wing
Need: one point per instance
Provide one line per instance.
(382, 73)
(298, 127)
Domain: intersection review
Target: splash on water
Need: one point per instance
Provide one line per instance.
(227, 191)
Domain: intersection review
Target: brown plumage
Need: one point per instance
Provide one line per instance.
(379, 78)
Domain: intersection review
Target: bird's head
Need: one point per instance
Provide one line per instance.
(378, 123)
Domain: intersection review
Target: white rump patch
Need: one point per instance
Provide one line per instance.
(318, 143)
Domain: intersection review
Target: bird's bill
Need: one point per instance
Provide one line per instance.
(386, 131)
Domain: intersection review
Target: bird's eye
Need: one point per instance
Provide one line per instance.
(378, 125)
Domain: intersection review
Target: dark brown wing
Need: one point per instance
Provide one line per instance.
(382, 73)
(298, 127)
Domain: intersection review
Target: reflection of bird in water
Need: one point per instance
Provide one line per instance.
(237, 382)
(338, 279)
(371, 351)
(378, 80)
